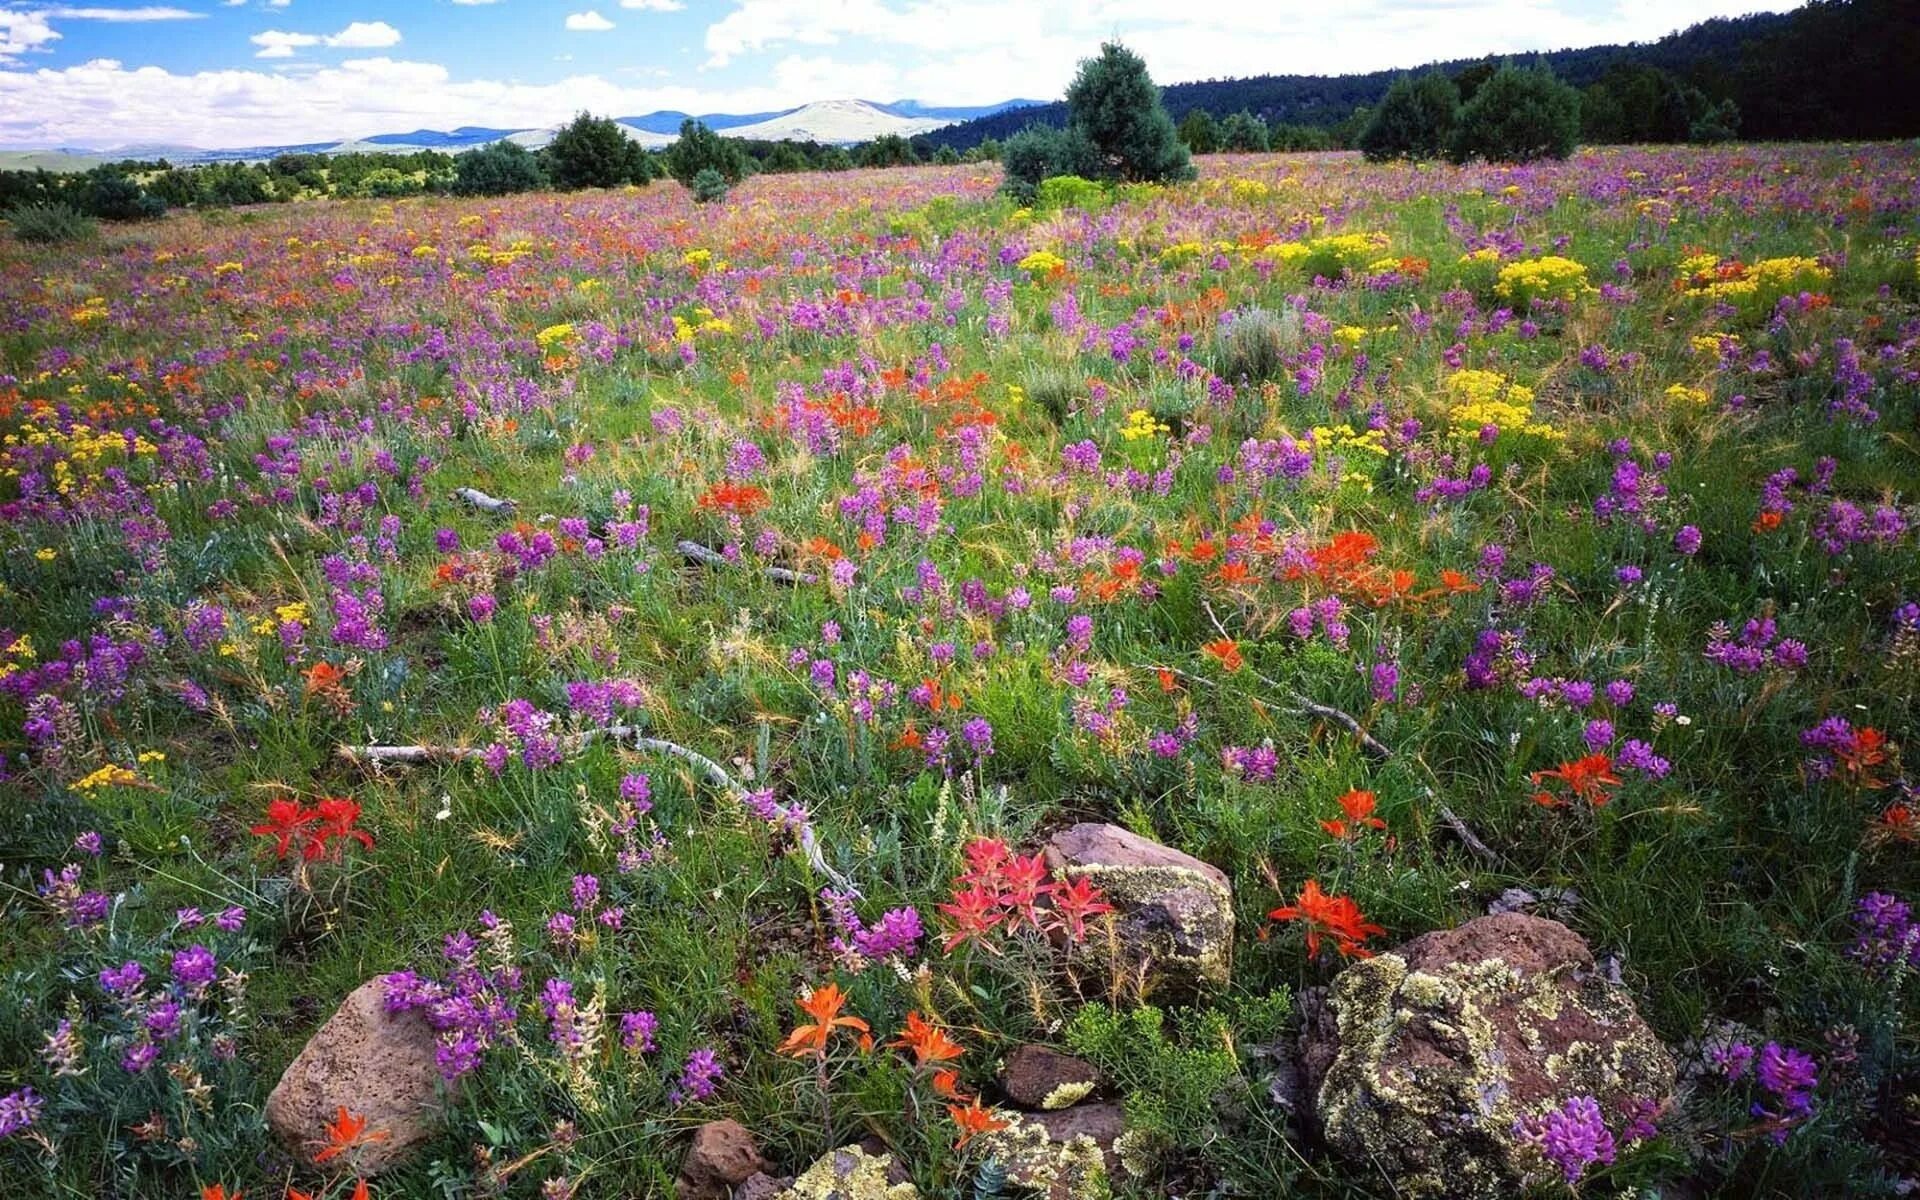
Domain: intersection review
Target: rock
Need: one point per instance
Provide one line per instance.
(376, 1065)
(1174, 913)
(1441, 1046)
(850, 1173)
(761, 1186)
(1041, 1078)
(722, 1156)
(1065, 1155)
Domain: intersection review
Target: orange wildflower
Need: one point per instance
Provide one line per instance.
(824, 1007)
(1588, 778)
(1335, 916)
(1228, 652)
(1358, 806)
(973, 1121)
(1864, 751)
(217, 1191)
(324, 677)
(1898, 824)
(927, 1042)
(347, 1131)
(946, 1085)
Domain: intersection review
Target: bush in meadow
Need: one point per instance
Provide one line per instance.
(1069, 191)
(50, 224)
(1199, 132)
(708, 186)
(1038, 153)
(1414, 120)
(1243, 133)
(112, 196)
(701, 149)
(1254, 346)
(593, 152)
(1519, 115)
(499, 169)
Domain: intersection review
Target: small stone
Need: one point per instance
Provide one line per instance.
(761, 1186)
(1424, 1059)
(722, 1156)
(1041, 1078)
(1174, 913)
(375, 1064)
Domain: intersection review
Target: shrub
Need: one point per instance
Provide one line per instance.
(701, 149)
(1169, 1084)
(387, 184)
(1116, 107)
(1254, 345)
(708, 186)
(1199, 132)
(1415, 119)
(594, 152)
(1069, 191)
(50, 224)
(888, 150)
(1720, 123)
(1519, 116)
(499, 169)
(1243, 132)
(1039, 152)
(111, 196)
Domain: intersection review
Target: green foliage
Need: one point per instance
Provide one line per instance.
(1038, 153)
(1069, 191)
(1169, 1081)
(888, 150)
(1414, 120)
(498, 169)
(386, 183)
(111, 196)
(594, 152)
(1254, 346)
(1199, 132)
(1719, 123)
(1519, 115)
(1242, 132)
(701, 149)
(1116, 107)
(708, 186)
(49, 224)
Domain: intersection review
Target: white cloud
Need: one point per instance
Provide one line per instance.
(365, 35)
(23, 31)
(588, 22)
(275, 43)
(653, 5)
(152, 12)
(476, 2)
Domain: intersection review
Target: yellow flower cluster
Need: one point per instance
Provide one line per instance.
(1757, 286)
(1344, 441)
(19, 651)
(1043, 262)
(685, 330)
(228, 268)
(1680, 393)
(425, 251)
(554, 335)
(107, 776)
(1140, 425)
(1548, 278)
(1477, 399)
(1338, 253)
(82, 448)
(284, 614)
(516, 250)
(95, 309)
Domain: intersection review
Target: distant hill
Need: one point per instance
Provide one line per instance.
(1833, 69)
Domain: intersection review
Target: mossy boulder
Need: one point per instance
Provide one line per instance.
(851, 1173)
(1426, 1058)
(1173, 912)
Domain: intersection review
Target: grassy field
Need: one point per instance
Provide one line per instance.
(1586, 490)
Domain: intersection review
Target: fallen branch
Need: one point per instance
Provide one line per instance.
(715, 774)
(484, 502)
(1302, 704)
(1467, 839)
(709, 557)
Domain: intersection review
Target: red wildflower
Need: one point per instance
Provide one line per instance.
(1074, 903)
(1864, 751)
(1335, 916)
(286, 820)
(973, 1121)
(740, 499)
(824, 1007)
(974, 912)
(1898, 824)
(1228, 652)
(347, 1131)
(1587, 778)
(337, 816)
(1358, 806)
(928, 1043)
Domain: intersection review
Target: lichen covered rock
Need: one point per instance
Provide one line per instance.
(1042, 1079)
(850, 1173)
(1064, 1155)
(722, 1156)
(1174, 913)
(1440, 1048)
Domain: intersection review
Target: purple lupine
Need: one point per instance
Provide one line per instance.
(1572, 1137)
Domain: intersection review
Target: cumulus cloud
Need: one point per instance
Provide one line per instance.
(653, 5)
(151, 12)
(23, 30)
(365, 35)
(276, 43)
(588, 22)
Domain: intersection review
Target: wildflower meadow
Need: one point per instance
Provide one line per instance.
(988, 700)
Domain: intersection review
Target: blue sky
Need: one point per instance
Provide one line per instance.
(250, 72)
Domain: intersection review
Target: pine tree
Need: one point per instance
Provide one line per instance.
(1414, 120)
(1519, 116)
(1114, 104)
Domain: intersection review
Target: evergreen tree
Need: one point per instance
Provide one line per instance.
(1040, 152)
(701, 149)
(594, 152)
(498, 169)
(1199, 132)
(1415, 119)
(1115, 106)
(1519, 116)
(1243, 132)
